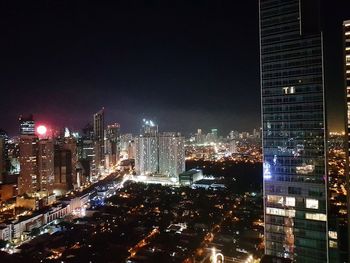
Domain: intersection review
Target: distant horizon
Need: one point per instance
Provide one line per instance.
(223, 133)
(190, 65)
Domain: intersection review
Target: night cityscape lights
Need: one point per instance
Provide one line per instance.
(41, 130)
(182, 164)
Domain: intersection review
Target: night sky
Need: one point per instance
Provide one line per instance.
(186, 64)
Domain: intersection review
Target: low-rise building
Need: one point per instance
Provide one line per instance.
(191, 176)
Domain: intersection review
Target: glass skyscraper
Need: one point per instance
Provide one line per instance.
(294, 131)
(99, 127)
(346, 38)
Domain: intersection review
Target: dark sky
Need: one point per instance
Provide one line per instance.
(187, 64)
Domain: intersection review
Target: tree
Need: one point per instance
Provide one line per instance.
(3, 243)
(35, 231)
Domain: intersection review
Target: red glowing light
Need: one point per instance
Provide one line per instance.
(41, 130)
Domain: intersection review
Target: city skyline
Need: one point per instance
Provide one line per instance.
(175, 131)
(129, 66)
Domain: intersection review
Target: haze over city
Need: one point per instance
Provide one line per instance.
(175, 131)
(183, 63)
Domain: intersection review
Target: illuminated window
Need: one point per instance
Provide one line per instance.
(290, 201)
(333, 234)
(267, 172)
(311, 203)
(347, 59)
(305, 169)
(280, 212)
(288, 90)
(317, 217)
(275, 199)
(333, 244)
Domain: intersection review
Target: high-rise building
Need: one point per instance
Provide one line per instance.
(149, 127)
(233, 135)
(86, 151)
(13, 163)
(99, 124)
(45, 165)
(199, 137)
(233, 146)
(127, 146)
(2, 159)
(131, 149)
(125, 140)
(146, 154)
(36, 165)
(159, 153)
(28, 181)
(63, 170)
(70, 144)
(294, 131)
(171, 154)
(214, 133)
(3, 154)
(112, 144)
(27, 125)
(346, 182)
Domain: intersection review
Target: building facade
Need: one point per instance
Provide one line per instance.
(146, 154)
(171, 154)
(112, 144)
(46, 166)
(294, 131)
(26, 125)
(99, 128)
(346, 41)
(28, 181)
(63, 171)
(3, 155)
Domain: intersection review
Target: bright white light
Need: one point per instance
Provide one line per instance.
(41, 130)
(66, 132)
(311, 203)
(267, 172)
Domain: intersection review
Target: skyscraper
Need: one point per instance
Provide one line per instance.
(112, 144)
(28, 181)
(86, 150)
(63, 170)
(294, 131)
(146, 154)
(159, 153)
(99, 124)
(171, 154)
(3, 154)
(26, 125)
(149, 127)
(46, 165)
(346, 38)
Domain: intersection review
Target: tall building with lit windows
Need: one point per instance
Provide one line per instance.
(146, 154)
(3, 154)
(112, 144)
(171, 154)
(26, 125)
(159, 153)
(28, 180)
(99, 124)
(45, 165)
(294, 133)
(346, 38)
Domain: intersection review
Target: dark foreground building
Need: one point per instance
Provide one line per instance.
(298, 223)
